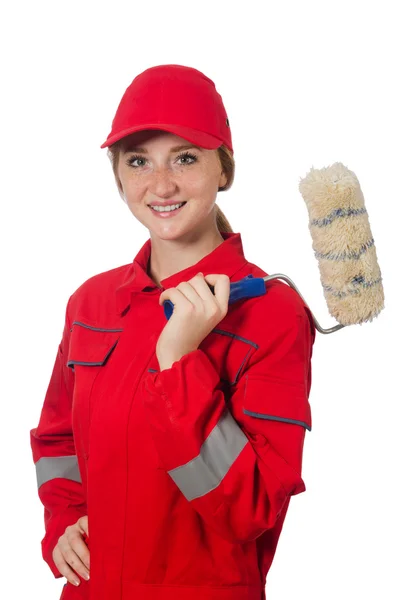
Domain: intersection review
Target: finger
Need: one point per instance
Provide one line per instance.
(166, 293)
(74, 561)
(80, 548)
(198, 292)
(67, 544)
(64, 568)
(203, 290)
(221, 283)
(178, 298)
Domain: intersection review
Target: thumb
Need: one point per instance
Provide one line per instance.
(83, 524)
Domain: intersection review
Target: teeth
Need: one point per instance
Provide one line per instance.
(166, 208)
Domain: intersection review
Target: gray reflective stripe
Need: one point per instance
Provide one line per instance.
(93, 328)
(50, 467)
(275, 418)
(219, 451)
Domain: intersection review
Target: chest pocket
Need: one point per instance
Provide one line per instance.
(90, 349)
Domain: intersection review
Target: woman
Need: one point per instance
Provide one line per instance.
(167, 451)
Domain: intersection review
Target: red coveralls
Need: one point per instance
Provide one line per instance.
(186, 473)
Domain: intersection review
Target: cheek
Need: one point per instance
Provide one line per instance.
(136, 206)
(201, 184)
(134, 196)
(138, 211)
(134, 191)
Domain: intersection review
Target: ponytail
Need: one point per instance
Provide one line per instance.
(221, 221)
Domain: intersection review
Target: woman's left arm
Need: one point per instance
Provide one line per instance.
(237, 461)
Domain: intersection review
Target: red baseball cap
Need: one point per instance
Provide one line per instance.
(173, 98)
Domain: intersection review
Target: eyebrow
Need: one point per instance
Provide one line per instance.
(174, 149)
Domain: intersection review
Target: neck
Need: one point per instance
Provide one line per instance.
(171, 256)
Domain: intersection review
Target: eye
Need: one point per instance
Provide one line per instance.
(185, 155)
(133, 158)
(188, 155)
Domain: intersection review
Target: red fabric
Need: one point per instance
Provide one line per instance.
(174, 98)
(64, 500)
(132, 425)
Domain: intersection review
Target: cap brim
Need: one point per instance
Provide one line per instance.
(191, 135)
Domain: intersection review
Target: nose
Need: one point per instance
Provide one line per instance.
(162, 182)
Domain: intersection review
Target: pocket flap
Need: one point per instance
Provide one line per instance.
(275, 400)
(91, 346)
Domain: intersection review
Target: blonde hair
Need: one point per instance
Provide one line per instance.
(228, 167)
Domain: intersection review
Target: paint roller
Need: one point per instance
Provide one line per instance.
(343, 245)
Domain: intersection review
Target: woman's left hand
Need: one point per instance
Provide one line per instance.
(196, 312)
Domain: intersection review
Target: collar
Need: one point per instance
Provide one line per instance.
(227, 258)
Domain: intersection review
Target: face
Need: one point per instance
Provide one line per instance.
(153, 168)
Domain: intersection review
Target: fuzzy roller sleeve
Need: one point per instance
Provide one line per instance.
(58, 476)
(237, 457)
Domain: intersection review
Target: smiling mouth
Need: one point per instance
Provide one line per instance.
(165, 208)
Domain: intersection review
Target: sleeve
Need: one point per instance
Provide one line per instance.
(237, 459)
(58, 476)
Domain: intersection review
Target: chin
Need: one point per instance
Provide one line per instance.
(165, 231)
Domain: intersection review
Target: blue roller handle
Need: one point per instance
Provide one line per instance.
(248, 287)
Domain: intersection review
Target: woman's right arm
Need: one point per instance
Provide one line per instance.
(58, 477)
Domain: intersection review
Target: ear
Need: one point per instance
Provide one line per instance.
(222, 180)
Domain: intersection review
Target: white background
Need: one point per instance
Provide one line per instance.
(304, 84)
